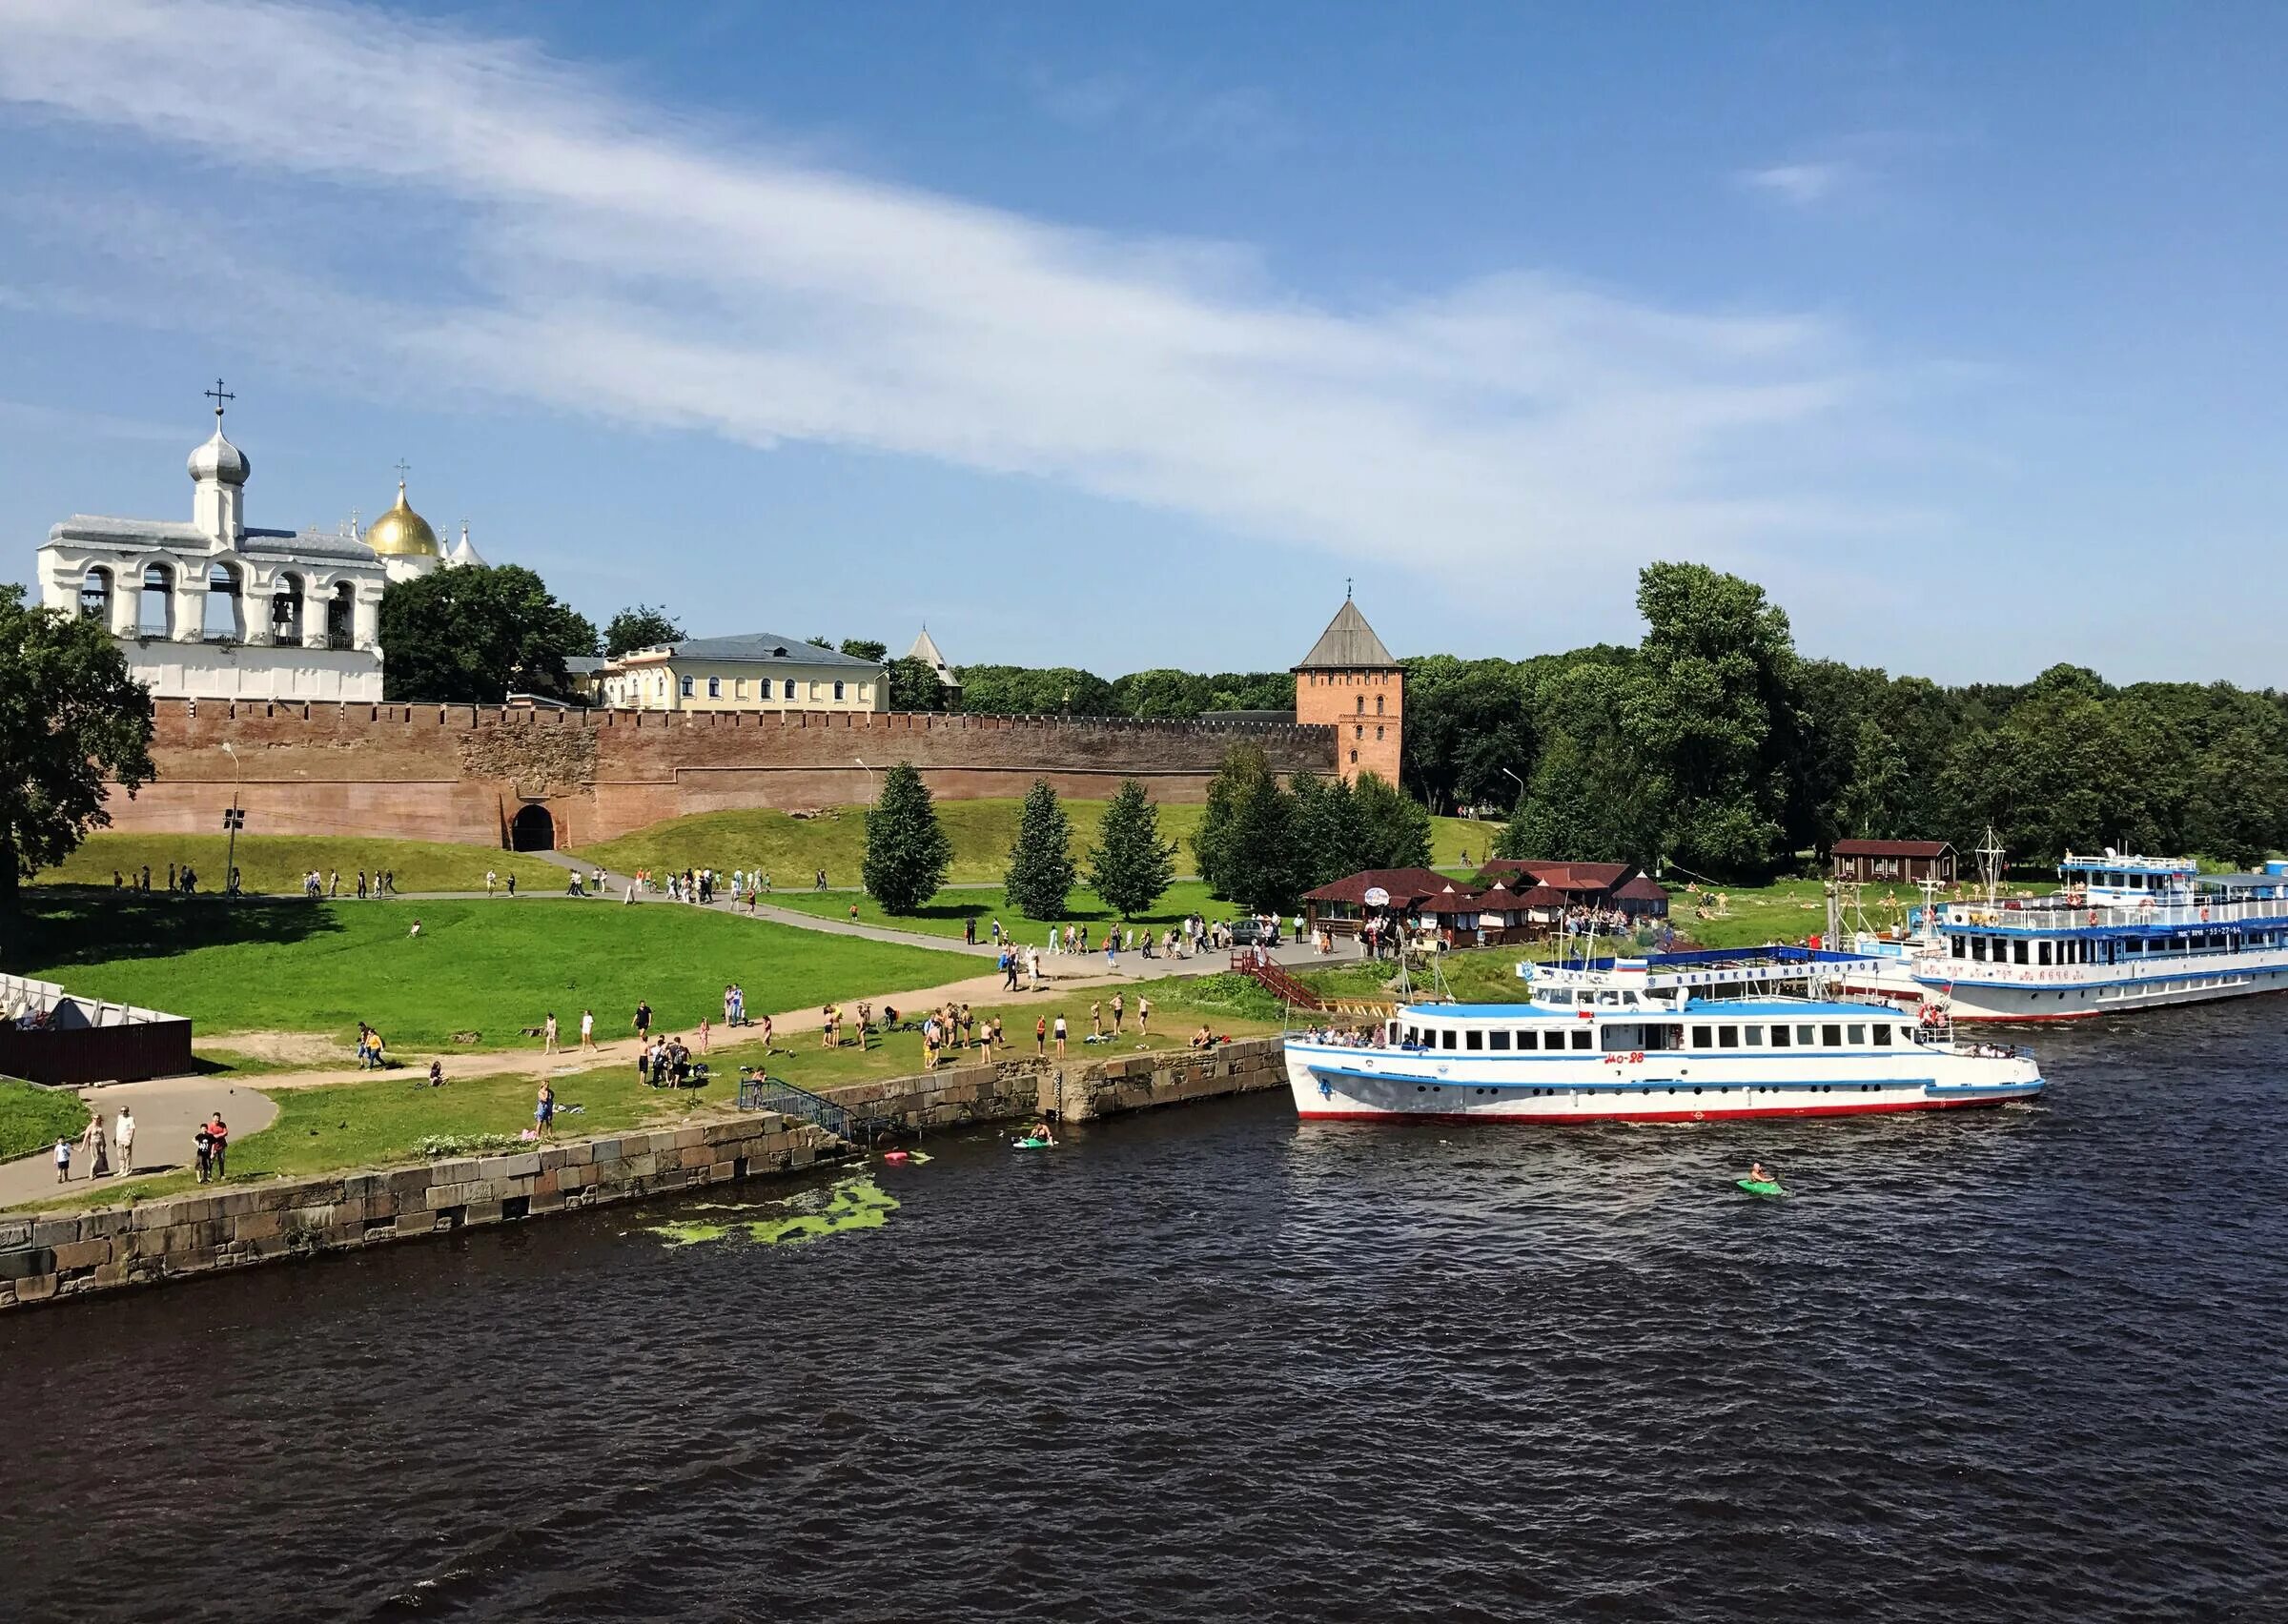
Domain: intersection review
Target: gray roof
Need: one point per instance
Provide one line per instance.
(307, 544)
(584, 664)
(97, 530)
(758, 648)
(1347, 645)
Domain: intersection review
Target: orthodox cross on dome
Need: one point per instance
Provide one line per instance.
(219, 394)
(404, 468)
(1346, 589)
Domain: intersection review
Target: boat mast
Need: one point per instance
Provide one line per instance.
(1990, 868)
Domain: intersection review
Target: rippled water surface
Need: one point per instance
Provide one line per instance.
(2028, 1365)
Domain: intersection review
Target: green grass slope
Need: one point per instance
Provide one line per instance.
(274, 865)
(490, 967)
(791, 849)
(33, 1118)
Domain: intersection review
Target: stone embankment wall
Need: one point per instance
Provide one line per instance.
(53, 1255)
(460, 772)
(65, 1255)
(1076, 1092)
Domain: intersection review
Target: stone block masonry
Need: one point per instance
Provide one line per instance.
(461, 773)
(65, 1255)
(47, 1256)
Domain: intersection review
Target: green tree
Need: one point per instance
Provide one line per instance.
(70, 718)
(1588, 799)
(1709, 711)
(1246, 840)
(644, 625)
(1130, 866)
(1394, 829)
(475, 636)
(1025, 690)
(1040, 871)
(913, 686)
(907, 853)
(1329, 835)
(865, 648)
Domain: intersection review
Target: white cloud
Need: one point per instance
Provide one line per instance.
(1801, 184)
(528, 231)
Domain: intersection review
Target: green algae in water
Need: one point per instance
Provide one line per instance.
(854, 1203)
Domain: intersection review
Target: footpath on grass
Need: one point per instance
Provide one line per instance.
(168, 1112)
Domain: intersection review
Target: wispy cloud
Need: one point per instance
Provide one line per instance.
(1167, 113)
(519, 227)
(1802, 184)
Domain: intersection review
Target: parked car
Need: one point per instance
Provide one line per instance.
(1255, 933)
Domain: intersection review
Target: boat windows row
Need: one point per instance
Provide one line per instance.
(1623, 1037)
(2096, 950)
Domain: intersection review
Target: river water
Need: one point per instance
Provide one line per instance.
(2030, 1364)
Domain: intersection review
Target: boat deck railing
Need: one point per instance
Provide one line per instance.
(2051, 913)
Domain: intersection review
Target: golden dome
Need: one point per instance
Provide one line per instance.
(401, 533)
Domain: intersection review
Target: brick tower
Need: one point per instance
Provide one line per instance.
(1349, 682)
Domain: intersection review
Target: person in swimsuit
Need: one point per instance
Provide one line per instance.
(1757, 1175)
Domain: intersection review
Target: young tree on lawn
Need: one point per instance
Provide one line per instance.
(70, 717)
(641, 626)
(1040, 864)
(907, 853)
(1130, 866)
(1246, 842)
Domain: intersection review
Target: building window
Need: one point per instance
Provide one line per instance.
(1378, 704)
(1358, 733)
(1354, 756)
(789, 693)
(1378, 734)
(686, 687)
(220, 621)
(286, 611)
(1362, 704)
(714, 687)
(154, 609)
(838, 690)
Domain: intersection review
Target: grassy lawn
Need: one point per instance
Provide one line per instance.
(33, 1118)
(275, 863)
(383, 1121)
(791, 849)
(943, 914)
(366, 1124)
(489, 967)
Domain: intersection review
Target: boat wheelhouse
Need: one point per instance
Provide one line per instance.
(2121, 933)
(1671, 1059)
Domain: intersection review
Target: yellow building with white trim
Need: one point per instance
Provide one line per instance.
(758, 671)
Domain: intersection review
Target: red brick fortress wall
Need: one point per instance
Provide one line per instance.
(460, 772)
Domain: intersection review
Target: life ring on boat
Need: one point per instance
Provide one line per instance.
(2093, 916)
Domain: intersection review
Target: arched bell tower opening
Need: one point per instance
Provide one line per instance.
(532, 829)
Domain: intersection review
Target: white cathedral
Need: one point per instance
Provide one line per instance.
(214, 609)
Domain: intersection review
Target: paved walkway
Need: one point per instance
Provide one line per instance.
(167, 1109)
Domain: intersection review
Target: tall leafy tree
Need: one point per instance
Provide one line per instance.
(865, 648)
(1022, 690)
(906, 852)
(1709, 710)
(1329, 835)
(475, 636)
(641, 625)
(1246, 840)
(1393, 830)
(914, 686)
(70, 717)
(1130, 866)
(1041, 871)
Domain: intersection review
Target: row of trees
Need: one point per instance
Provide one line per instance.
(908, 855)
(1262, 843)
(1713, 746)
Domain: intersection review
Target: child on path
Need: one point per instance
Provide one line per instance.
(63, 1160)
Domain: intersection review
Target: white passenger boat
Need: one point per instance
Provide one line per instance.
(2121, 934)
(1646, 1048)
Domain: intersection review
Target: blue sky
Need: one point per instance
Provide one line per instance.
(1122, 336)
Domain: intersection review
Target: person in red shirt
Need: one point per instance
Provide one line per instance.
(220, 1133)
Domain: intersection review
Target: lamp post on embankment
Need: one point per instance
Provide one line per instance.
(873, 784)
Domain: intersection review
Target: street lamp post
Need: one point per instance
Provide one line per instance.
(231, 822)
(873, 784)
